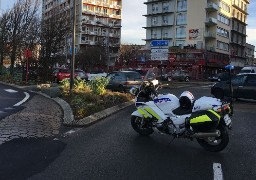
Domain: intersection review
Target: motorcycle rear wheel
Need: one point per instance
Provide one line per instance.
(215, 144)
(140, 126)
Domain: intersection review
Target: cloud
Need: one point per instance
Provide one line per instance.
(133, 36)
(133, 21)
(251, 38)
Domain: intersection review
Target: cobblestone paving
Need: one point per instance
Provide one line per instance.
(41, 117)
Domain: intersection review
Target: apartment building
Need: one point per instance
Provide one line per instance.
(249, 54)
(98, 22)
(201, 34)
(238, 32)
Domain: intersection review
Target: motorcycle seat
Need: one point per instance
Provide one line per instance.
(182, 111)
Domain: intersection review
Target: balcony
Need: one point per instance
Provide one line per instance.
(209, 35)
(212, 7)
(210, 21)
(85, 42)
(210, 48)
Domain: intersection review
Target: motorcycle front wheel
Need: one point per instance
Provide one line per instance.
(141, 126)
(215, 144)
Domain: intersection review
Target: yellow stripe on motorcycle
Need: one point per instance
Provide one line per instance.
(143, 113)
(199, 119)
(152, 112)
(216, 114)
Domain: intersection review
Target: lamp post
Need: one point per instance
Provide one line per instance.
(73, 45)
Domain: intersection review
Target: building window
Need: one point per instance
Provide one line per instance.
(165, 20)
(224, 6)
(165, 6)
(182, 5)
(181, 32)
(181, 19)
(223, 19)
(222, 46)
(165, 33)
(154, 7)
(153, 34)
(154, 20)
(222, 32)
(180, 42)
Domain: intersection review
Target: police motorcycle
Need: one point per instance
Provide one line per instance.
(206, 119)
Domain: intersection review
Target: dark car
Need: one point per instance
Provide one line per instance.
(224, 76)
(244, 86)
(123, 81)
(179, 75)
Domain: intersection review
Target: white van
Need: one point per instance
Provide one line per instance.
(248, 69)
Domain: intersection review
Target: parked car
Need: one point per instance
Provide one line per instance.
(94, 74)
(64, 73)
(81, 74)
(244, 86)
(248, 69)
(142, 72)
(123, 81)
(224, 76)
(179, 75)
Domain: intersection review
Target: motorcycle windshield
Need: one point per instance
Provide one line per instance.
(151, 76)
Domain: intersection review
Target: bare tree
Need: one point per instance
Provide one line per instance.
(22, 16)
(127, 53)
(4, 19)
(89, 57)
(54, 30)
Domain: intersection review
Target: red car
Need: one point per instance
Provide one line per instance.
(63, 73)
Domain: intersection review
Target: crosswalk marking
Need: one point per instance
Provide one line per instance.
(11, 91)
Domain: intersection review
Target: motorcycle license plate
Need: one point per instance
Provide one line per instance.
(227, 120)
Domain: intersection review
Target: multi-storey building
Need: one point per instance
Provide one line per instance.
(201, 34)
(238, 32)
(249, 53)
(98, 22)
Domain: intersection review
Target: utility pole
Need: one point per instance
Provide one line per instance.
(73, 46)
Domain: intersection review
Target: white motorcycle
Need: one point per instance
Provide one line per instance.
(205, 119)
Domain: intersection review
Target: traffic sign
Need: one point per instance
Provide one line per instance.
(160, 50)
(157, 43)
(159, 56)
(27, 53)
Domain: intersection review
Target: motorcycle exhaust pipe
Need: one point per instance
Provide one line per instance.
(204, 135)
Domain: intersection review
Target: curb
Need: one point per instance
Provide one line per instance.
(68, 116)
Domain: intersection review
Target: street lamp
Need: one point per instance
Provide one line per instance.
(73, 45)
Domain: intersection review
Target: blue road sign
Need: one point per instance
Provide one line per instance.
(155, 43)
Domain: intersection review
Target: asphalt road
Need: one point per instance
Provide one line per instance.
(11, 99)
(111, 149)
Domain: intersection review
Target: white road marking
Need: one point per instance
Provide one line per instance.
(8, 108)
(2, 112)
(71, 132)
(11, 91)
(23, 100)
(217, 171)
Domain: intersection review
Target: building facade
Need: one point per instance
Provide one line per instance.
(98, 23)
(249, 52)
(203, 35)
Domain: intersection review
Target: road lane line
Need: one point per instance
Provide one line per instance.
(217, 171)
(11, 91)
(23, 100)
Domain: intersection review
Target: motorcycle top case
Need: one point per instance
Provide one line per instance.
(205, 103)
(204, 121)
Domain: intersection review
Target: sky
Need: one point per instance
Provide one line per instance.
(133, 21)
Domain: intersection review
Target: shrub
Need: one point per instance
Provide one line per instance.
(98, 85)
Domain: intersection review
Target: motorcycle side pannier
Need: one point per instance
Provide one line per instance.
(204, 121)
